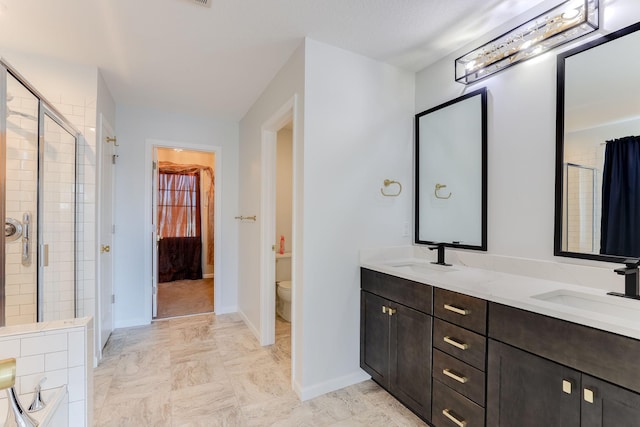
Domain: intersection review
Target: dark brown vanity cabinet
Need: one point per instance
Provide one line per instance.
(395, 337)
(566, 381)
(459, 359)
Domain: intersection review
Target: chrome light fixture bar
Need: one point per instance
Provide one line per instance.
(566, 22)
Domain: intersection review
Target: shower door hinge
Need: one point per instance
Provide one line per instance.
(113, 299)
(154, 165)
(113, 159)
(113, 229)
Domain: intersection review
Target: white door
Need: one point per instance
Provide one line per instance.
(107, 163)
(155, 238)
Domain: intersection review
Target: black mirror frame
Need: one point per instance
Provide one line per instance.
(560, 95)
(483, 100)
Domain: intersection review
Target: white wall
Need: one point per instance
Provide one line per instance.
(288, 83)
(358, 131)
(106, 105)
(135, 127)
(521, 132)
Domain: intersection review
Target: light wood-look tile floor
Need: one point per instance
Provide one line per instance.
(209, 370)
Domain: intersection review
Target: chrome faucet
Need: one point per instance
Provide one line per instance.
(631, 279)
(16, 416)
(440, 247)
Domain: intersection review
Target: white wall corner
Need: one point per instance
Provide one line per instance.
(306, 393)
(254, 330)
(227, 309)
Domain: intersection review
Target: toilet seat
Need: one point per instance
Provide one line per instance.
(286, 284)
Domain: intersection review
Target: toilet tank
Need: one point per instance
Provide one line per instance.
(283, 267)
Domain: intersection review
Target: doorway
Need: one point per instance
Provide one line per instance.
(184, 220)
(273, 328)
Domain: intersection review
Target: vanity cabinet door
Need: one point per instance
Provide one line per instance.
(607, 405)
(410, 358)
(524, 390)
(374, 337)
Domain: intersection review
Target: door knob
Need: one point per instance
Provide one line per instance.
(105, 248)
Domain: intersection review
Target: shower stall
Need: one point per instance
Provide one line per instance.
(38, 187)
(582, 208)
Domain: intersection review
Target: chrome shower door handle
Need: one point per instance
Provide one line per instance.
(26, 239)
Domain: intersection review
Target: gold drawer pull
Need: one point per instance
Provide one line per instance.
(453, 417)
(384, 309)
(456, 376)
(454, 342)
(460, 311)
(567, 386)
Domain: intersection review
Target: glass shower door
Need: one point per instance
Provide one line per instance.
(57, 291)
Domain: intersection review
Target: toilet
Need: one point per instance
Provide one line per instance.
(283, 305)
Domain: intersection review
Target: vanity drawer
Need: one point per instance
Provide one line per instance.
(460, 410)
(463, 378)
(468, 312)
(406, 292)
(460, 343)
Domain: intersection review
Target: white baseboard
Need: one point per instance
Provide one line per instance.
(131, 322)
(226, 310)
(250, 325)
(307, 393)
(207, 276)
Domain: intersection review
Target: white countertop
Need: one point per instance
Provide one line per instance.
(44, 327)
(512, 290)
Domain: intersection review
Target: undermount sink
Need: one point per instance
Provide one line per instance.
(603, 304)
(422, 267)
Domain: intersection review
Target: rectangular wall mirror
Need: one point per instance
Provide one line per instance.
(451, 173)
(597, 212)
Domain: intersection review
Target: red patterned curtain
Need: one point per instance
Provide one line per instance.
(179, 204)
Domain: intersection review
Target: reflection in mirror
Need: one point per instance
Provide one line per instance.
(451, 173)
(598, 149)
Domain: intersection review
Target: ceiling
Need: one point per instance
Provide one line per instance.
(176, 55)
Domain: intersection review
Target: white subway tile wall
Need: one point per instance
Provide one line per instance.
(61, 351)
(21, 179)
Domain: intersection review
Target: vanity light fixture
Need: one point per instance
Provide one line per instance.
(566, 22)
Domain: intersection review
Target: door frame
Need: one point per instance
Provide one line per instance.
(150, 146)
(103, 123)
(270, 128)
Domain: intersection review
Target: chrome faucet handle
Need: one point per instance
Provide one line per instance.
(37, 404)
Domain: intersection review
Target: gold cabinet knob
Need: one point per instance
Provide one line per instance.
(589, 395)
(105, 248)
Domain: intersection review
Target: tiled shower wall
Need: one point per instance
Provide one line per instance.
(22, 166)
(57, 222)
(21, 197)
(81, 112)
(584, 206)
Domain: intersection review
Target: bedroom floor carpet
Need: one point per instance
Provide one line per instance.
(184, 297)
